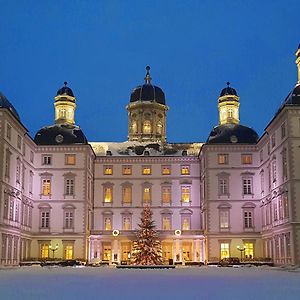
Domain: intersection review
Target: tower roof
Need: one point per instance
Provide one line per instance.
(227, 91)
(65, 90)
(147, 91)
(4, 103)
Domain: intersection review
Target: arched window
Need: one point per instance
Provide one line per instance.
(147, 127)
(159, 127)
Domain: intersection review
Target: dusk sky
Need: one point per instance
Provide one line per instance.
(101, 48)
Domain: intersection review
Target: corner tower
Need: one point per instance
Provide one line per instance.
(65, 105)
(229, 103)
(147, 113)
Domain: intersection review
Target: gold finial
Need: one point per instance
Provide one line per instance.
(228, 83)
(148, 77)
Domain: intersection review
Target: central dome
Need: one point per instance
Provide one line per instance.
(148, 92)
(65, 91)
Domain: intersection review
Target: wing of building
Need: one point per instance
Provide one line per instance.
(237, 194)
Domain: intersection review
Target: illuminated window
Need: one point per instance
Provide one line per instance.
(46, 160)
(166, 170)
(222, 159)
(230, 113)
(69, 186)
(159, 127)
(134, 127)
(249, 250)
(127, 194)
(68, 251)
(246, 159)
(146, 194)
(146, 170)
(45, 219)
(224, 247)
(70, 159)
(69, 219)
(8, 131)
(107, 170)
(185, 222)
(126, 249)
(224, 219)
(44, 250)
(126, 223)
(108, 194)
(248, 219)
(46, 187)
(223, 186)
(185, 170)
(147, 127)
(185, 194)
(247, 186)
(127, 170)
(166, 222)
(107, 223)
(166, 194)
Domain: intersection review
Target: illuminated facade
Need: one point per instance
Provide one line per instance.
(236, 194)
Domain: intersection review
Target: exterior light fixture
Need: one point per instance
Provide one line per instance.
(53, 249)
(115, 232)
(241, 249)
(177, 232)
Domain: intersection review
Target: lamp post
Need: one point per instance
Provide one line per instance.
(53, 249)
(242, 249)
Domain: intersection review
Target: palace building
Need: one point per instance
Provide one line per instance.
(235, 194)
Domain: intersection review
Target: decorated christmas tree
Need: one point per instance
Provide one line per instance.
(147, 248)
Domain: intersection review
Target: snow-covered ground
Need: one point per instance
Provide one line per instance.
(55, 283)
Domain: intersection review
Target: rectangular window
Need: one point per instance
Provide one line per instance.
(262, 181)
(46, 160)
(261, 155)
(166, 222)
(68, 252)
(19, 142)
(283, 130)
(247, 186)
(69, 186)
(185, 170)
(7, 163)
(248, 222)
(273, 140)
(223, 186)
(166, 170)
(107, 223)
(107, 170)
(186, 223)
(45, 219)
(185, 194)
(246, 159)
(224, 219)
(284, 164)
(8, 131)
(126, 223)
(274, 171)
(146, 170)
(31, 156)
(69, 219)
(46, 187)
(146, 194)
(108, 194)
(30, 181)
(70, 159)
(127, 194)
(222, 159)
(249, 250)
(166, 194)
(127, 170)
(44, 251)
(224, 249)
(18, 170)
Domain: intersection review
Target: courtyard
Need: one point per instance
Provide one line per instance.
(49, 283)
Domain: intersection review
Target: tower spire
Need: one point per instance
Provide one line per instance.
(148, 77)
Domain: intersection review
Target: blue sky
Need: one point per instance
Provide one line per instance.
(193, 47)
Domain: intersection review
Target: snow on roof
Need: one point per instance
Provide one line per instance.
(145, 148)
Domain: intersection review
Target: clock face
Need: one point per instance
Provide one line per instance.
(233, 139)
(59, 138)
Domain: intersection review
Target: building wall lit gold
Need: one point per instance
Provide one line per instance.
(229, 109)
(65, 106)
